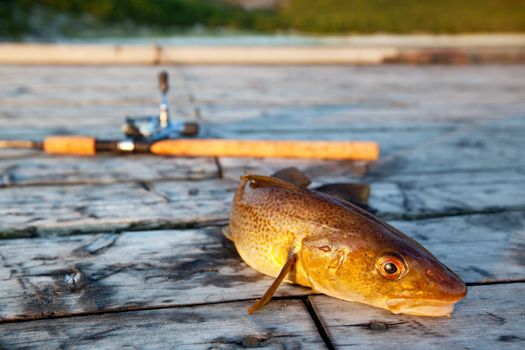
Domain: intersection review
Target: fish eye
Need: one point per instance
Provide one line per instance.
(391, 266)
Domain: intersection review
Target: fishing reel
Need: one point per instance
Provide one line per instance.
(158, 127)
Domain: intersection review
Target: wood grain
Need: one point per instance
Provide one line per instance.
(85, 100)
(55, 209)
(62, 210)
(33, 168)
(311, 95)
(435, 148)
(382, 93)
(284, 325)
(134, 270)
(491, 317)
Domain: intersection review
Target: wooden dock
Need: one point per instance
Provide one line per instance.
(114, 252)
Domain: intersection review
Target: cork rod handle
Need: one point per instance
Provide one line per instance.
(74, 145)
(354, 150)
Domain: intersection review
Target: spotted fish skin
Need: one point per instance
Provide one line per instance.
(338, 247)
(256, 226)
(270, 218)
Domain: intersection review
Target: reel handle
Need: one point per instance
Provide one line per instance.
(163, 82)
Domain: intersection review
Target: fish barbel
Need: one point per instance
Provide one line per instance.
(315, 240)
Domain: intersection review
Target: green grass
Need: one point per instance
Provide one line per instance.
(48, 18)
(406, 16)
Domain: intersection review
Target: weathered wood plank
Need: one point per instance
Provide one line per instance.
(55, 209)
(452, 140)
(470, 242)
(43, 84)
(491, 317)
(93, 107)
(404, 93)
(76, 119)
(432, 174)
(390, 138)
(456, 193)
(405, 150)
(436, 150)
(400, 194)
(79, 99)
(71, 82)
(283, 325)
(444, 92)
(397, 115)
(43, 169)
(95, 102)
(79, 274)
(59, 210)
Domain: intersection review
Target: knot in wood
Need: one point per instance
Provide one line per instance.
(378, 326)
(73, 279)
(251, 341)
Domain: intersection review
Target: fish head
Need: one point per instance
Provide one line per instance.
(384, 269)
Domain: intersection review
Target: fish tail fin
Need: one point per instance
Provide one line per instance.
(288, 266)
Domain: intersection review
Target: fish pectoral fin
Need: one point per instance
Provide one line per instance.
(227, 233)
(288, 266)
(294, 176)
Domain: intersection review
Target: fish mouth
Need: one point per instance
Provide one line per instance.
(421, 307)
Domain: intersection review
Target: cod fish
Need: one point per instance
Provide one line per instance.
(309, 238)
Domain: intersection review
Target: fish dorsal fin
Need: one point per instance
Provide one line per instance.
(268, 181)
(294, 176)
(227, 233)
(355, 193)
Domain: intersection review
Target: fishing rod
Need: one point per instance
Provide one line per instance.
(159, 135)
(89, 146)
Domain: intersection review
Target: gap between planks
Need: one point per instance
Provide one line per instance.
(361, 325)
(310, 308)
(286, 324)
(321, 328)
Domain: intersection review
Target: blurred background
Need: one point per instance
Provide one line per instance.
(55, 20)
